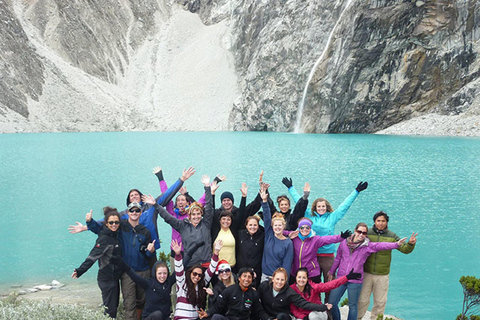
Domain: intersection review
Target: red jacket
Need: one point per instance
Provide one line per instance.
(314, 297)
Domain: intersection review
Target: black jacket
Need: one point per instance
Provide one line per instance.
(234, 302)
(157, 294)
(249, 250)
(106, 246)
(281, 303)
(291, 218)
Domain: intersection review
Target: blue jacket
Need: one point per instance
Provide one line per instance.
(324, 225)
(133, 241)
(276, 253)
(150, 214)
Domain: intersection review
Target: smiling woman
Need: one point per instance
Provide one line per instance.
(106, 247)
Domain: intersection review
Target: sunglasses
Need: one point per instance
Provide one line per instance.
(361, 232)
(113, 222)
(135, 210)
(305, 228)
(196, 274)
(224, 271)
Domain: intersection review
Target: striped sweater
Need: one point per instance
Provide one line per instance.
(184, 309)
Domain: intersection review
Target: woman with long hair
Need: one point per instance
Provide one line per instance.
(192, 284)
(310, 291)
(226, 278)
(352, 253)
(106, 248)
(277, 296)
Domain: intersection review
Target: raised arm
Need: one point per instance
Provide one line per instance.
(408, 247)
(300, 207)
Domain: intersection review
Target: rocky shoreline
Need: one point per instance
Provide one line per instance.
(87, 294)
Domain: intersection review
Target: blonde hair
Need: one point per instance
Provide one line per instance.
(195, 205)
(279, 216)
(280, 270)
(255, 217)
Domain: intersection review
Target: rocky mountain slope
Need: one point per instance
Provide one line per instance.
(306, 66)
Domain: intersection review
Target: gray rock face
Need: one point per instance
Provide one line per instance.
(394, 60)
(149, 65)
(21, 75)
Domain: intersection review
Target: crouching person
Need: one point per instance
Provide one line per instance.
(238, 301)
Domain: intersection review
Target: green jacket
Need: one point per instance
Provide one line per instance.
(379, 262)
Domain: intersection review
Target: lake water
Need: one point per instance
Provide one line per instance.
(428, 185)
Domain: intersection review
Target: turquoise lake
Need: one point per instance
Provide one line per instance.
(429, 185)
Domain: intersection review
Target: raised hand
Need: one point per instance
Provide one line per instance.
(244, 189)
(148, 199)
(287, 182)
(361, 186)
(88, 216)
(158, 172)
(77, 228)
(413, 238)
(345, 234)
(401, 241)
(187, 173)
(217, 246)
(213, 187)
(263, 193)
(183, 190)
(353, 275)
(260, 178)
(176, 247)
(205, 180)
(306, 188)
(220, 178)
(151, 246)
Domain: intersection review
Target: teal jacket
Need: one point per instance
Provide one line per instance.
(324, 225)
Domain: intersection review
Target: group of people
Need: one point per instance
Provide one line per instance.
(227, 258)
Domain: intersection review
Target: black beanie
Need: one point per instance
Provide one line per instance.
(227, 194)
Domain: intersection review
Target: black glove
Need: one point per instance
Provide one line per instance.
(217, 179)
(118, 261)
(345, 234)
(354, 275)
(362, 186)
(159, 175)
(287, 182)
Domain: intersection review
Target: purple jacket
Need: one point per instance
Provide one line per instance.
(305, 253)
(344, 261)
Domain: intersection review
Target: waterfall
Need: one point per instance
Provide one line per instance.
(297, 128)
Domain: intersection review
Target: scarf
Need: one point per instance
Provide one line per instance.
(379, 231)
(352, 245)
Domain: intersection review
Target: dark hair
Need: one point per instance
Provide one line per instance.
(108, 212)
(314, 205)
(226, 213)
(246, 270)
(308, 288)
(194, 297)
(379, 214)
(361, 224)
(282, 197)
(128, 195)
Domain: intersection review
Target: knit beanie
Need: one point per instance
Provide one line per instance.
(227, 194)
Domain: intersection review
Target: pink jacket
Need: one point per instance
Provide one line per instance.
(314, 294)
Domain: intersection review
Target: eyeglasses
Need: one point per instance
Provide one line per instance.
(196, 274)
(135, 210)
(305, 228)
(113, 222)
(361, 232)
(224, 271)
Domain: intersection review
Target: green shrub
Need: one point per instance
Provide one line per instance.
(471, 296)
(162, 255)
(344, 302)
(14, 308)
